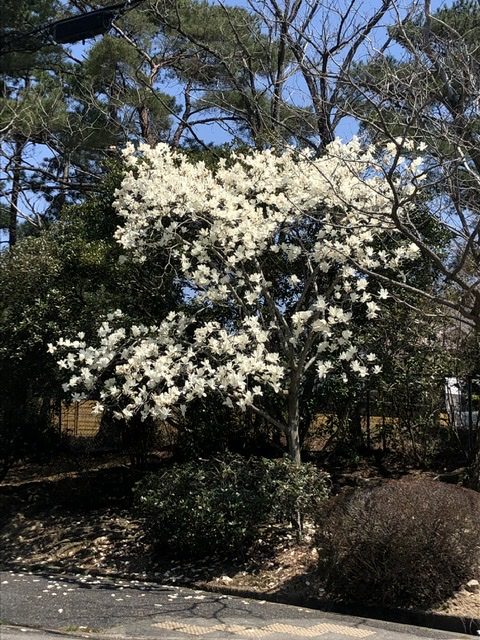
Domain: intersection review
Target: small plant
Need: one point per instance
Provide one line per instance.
(218, 506)
(403, 543)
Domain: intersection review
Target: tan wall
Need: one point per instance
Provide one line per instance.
(77, 419)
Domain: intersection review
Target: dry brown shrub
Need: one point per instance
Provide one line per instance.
(403, 543)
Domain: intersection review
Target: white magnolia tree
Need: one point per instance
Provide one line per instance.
(266, 242)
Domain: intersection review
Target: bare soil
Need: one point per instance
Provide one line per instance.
(76, 516)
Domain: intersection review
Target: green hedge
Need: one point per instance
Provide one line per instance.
(219, 506)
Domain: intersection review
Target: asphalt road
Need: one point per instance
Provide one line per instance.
(87, 605)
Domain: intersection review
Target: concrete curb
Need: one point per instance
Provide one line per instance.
(416, 618)
(71, 634)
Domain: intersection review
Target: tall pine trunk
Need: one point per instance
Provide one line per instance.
(15, 192)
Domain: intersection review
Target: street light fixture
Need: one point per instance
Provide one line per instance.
(67, 31)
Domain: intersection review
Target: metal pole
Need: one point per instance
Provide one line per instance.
(470, 415)
(368, 420)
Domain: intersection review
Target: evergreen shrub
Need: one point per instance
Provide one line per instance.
(219, 506)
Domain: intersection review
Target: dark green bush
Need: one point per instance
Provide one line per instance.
(403, 543)
(218, 506)
(26, 427)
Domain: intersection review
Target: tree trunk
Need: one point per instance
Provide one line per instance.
(473, 474)
(62, 196)
(16, 177)
(293, 433)
(356, 434)
(148, 132)
(293, 437)
(473, 471)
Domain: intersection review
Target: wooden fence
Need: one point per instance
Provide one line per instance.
(76, 419)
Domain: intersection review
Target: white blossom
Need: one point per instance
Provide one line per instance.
(383, 293)
(372, 310)
(322, 217)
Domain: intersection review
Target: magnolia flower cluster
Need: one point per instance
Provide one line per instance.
(153, 369)
(236, 213)
(279, 242)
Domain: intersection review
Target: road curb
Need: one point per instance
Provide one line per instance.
(416, 618)
(72, 634)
